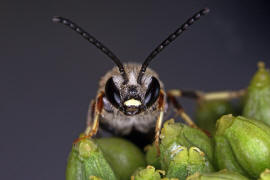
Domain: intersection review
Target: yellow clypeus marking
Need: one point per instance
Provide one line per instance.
(132, 102)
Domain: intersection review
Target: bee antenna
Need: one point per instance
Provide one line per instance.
(94, 41)
(170, 39)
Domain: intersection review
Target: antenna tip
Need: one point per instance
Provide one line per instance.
(205, 11)
(56, 19)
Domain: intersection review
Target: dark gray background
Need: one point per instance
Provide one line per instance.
(49, 74)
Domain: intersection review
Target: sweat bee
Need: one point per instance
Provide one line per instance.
(131, 99)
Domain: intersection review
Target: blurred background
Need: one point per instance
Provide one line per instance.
(49, 73)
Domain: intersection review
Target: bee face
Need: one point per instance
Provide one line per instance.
(132, 98)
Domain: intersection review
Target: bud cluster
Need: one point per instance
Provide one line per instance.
(238, 148)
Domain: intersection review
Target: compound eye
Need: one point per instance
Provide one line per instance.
(152, 92)
(112, 93)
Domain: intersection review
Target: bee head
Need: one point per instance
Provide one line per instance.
(130, 97)
(132, 90)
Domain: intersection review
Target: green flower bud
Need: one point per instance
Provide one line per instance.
(242, 145)
(123, 156)
(208, 112)
(179, 157)
(265, 175)
(178, 133)
(86, 161)
(152, 157)
(184, 162)
(224, 157)
(149, 173)
(257, 104)
(224, 174)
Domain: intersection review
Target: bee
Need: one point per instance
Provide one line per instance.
(132, 98)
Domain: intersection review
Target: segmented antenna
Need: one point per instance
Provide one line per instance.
(94, 41)
(170, 39)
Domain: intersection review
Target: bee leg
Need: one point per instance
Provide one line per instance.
(222, 95)
(92, 129)
(90, 116)
(199, 96)
(161, 104)
(180, 110)
(202, 96)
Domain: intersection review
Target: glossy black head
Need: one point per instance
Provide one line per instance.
(132, 99)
